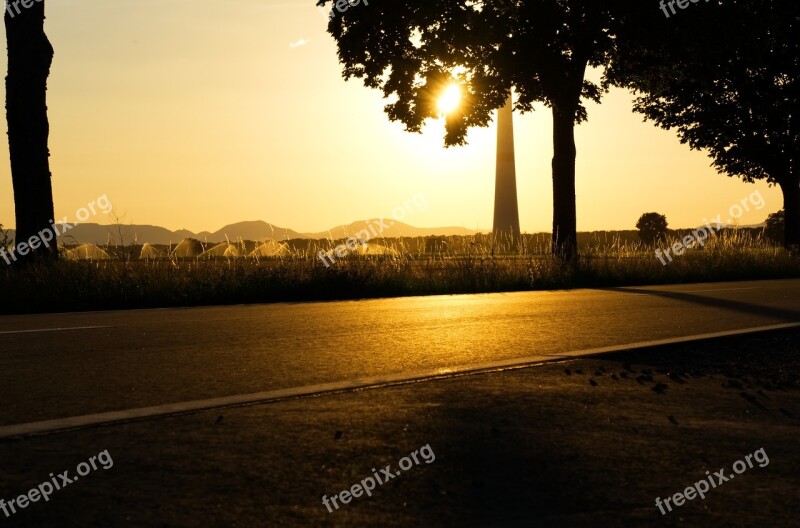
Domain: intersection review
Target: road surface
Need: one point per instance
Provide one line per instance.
(60, 365)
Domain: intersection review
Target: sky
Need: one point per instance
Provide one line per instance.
(189, 115)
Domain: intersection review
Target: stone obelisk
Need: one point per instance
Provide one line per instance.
(506, 213)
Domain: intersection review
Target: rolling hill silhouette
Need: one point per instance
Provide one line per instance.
(251, 230)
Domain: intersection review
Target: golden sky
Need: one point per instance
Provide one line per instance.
(190, 115)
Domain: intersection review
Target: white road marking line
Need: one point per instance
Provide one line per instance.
(684, 291)
(51, 330)
(240, 400)
(721, 289)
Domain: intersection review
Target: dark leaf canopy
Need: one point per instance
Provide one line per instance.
(724, 75)
(411, 50)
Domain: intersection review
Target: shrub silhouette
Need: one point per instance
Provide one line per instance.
(652, 227)
(775, 227)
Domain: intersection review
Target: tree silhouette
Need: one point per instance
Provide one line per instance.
(652, 227)
(29, 57)
(726, 78)
(774, 227)
(412, 50)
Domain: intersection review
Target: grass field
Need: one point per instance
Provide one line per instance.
(463, 265)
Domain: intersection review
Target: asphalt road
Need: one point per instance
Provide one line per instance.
(60, 365)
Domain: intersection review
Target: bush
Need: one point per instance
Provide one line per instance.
(652, 227)
(775, 226)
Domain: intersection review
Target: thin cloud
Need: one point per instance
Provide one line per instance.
(301, 42)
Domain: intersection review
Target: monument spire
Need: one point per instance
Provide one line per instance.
(506, 213)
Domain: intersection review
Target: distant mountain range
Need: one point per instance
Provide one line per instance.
(255, 230)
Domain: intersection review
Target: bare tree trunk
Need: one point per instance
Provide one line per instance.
(565, 244)
(29, 57)
(791, 206)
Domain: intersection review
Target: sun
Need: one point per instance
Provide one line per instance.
(450, 99)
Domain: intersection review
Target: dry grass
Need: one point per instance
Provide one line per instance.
(454, 265)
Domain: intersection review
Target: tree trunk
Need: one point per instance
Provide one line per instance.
(29, 57)
(564, 218)
(791, 206)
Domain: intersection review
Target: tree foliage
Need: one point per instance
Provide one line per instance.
(774, 227)
(652, 227)
(724, 75)
(412, 50)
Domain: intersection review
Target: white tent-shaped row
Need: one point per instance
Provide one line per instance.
(188, 248)
(192, 248)
(150, 252)
(86, 252)
(270, 248)
(225, 250)
(376, 249)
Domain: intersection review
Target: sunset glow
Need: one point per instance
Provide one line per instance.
(450, 99)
